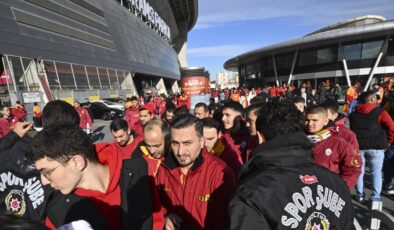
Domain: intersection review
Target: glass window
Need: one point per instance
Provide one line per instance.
(93, 77)
(16, 65)
(352, 51)
(104, 78)
(65, 75)
(371, 49)
(113, 78)
(326, 55)
(80, 77)
(51, 75)
(284, 60)
(307, 57)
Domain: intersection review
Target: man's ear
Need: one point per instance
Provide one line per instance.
(335, 116)
(78, 162)
(261, 137)
(220, 134)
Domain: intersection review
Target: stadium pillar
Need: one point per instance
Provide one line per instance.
(275, 71)
(292, 67)
(373, 71)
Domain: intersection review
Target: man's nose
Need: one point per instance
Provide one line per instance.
(44, 180)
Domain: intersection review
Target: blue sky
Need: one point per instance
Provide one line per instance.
(226, 28)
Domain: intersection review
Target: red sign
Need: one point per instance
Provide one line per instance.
(5, 77)
(197, 85)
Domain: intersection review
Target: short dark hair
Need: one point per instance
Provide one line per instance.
(279, 118)
(331, 105)
(170, 107)
(133, 98)
(61, 142)
(317, 109)
(211, 123)
(259, 98)
(181, 110)
(59, 111)
(298, 100)
(119, 124)
(255, 108)
(187, 120)
(203, 105)
(365, 96)
(234, 106)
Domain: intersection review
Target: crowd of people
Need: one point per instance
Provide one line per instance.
(270, 158)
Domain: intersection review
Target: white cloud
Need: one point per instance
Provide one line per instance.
(220, 51)
(296, 12)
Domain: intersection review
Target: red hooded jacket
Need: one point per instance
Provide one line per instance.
(5, 127)
(132, 116)
(84, 118)
(384, 118)
(201, 197)
(227, 154)
(238, 142)
(337, 155)
(345, 133)
(128, 149)
(108, 203)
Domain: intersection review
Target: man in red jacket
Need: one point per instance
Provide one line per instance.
(219, 149)
(146, 113)
(5, 123)
(68, 162)
(132, 112)
(126, 140)
(195, 187)
(337, 124)
(331, 151)
(235, 132)
(374, 129)
(85, 122)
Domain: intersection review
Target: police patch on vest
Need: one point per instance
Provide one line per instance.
(317, 221)
(328, 152)
(15, 202)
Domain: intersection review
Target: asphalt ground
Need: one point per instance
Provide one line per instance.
(101, 133)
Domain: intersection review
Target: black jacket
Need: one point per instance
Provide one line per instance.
(23, 195)
(280, 188)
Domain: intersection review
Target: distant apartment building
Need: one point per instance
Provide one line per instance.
(227, 80)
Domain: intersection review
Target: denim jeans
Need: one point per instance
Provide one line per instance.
(388, 168)
(375, 158)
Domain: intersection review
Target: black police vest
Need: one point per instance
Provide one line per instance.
(370, 133)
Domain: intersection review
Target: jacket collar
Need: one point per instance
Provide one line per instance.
(171, 162)
(284, 150)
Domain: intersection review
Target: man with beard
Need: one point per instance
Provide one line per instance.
(214, 145)
(194, 186)
(125, 139)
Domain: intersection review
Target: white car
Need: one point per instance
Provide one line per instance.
(113, 105)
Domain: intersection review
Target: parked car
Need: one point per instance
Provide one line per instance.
(115, 100)
(114, 105)
(101, 111)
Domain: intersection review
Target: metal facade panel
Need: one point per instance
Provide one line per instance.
(136, 47)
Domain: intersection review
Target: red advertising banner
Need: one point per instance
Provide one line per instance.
(196, 85)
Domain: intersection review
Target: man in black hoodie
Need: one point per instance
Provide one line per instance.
(280, 187)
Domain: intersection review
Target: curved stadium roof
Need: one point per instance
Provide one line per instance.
(360, 28)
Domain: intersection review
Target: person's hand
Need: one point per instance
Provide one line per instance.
(21, 128)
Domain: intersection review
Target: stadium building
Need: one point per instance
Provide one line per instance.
(91, 49)
(360, 49)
